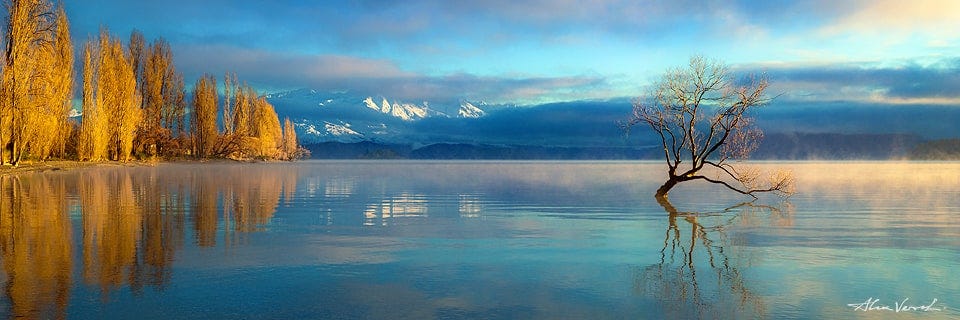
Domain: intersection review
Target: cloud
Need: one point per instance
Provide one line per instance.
(375, 25)
(281, 69)
(899, 17)
(910, 82)
(539, 50)
(272, 70)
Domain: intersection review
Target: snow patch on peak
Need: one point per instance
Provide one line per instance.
(399, 111)
(468, 110)
(386, 106)
(403, 111)
(370, 104)
(418, 111)
(311, 131)
(340, 129)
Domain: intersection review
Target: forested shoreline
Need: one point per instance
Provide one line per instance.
(133, 101)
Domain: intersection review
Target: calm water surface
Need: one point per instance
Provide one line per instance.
(490, 240)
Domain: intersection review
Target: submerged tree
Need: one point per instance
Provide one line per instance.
(701, 116)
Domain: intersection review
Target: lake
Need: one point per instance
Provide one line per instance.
(489, 240)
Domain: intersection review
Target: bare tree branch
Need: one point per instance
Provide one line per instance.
(700, 114)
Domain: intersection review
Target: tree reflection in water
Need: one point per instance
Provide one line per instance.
(132, 222)
(36, 247)
(719, 290)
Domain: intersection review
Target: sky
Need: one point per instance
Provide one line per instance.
(541, 51)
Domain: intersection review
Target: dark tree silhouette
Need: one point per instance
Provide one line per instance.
(701, 116)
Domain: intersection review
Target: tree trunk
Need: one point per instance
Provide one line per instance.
(665, 188)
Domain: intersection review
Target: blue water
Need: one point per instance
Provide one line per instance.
(489, 240)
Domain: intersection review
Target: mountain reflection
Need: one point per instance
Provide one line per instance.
(699, 274)
(398, 207)
(131, 224)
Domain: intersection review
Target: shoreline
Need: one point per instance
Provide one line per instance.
(66, 165)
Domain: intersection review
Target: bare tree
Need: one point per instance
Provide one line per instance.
(701, 117)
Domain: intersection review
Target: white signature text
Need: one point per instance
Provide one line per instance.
(872, 304)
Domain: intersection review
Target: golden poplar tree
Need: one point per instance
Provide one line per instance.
(204, 116)
(92, 145)
(110, 93)
(135, 50)
(30, 30)
(173, 114)
(63, 84)
(127, 112)
(267, 130)
(49, 128)
(159, 97)
(289, 140)
(252, 127)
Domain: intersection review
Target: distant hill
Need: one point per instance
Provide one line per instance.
(776, 146)
(372, 150)
(481, 152)
(835, 146)
(358, 150)
(945, 149)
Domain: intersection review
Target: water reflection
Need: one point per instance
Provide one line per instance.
(131, 223)
(471, 240)
(470, 206)
(36, 247)
(401, 206)
(700, 243)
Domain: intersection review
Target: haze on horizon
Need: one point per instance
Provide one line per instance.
(865, 52)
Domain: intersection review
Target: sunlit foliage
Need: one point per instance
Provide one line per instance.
(114, 107)
(204, 116)
(163, 97)
(37, 53)
(133, 100)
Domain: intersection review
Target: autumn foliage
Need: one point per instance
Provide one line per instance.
(133, 100)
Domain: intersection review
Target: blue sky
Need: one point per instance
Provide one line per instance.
(526, 52)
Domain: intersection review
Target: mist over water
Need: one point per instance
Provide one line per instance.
(463, 239)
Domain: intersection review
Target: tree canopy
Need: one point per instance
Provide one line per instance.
(701, 116)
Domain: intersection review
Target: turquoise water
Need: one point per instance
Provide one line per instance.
(489, 240)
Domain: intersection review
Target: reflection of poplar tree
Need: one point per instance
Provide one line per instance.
(35, 245)
(204, 193)
(162, 231)
(112, 224)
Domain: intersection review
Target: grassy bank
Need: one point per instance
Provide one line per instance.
(59, 165)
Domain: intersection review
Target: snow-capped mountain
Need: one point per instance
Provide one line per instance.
(468, 110)
(345, 116)
(312, 131)
(403, 111)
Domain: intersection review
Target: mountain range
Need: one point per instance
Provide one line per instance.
(576, 129)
